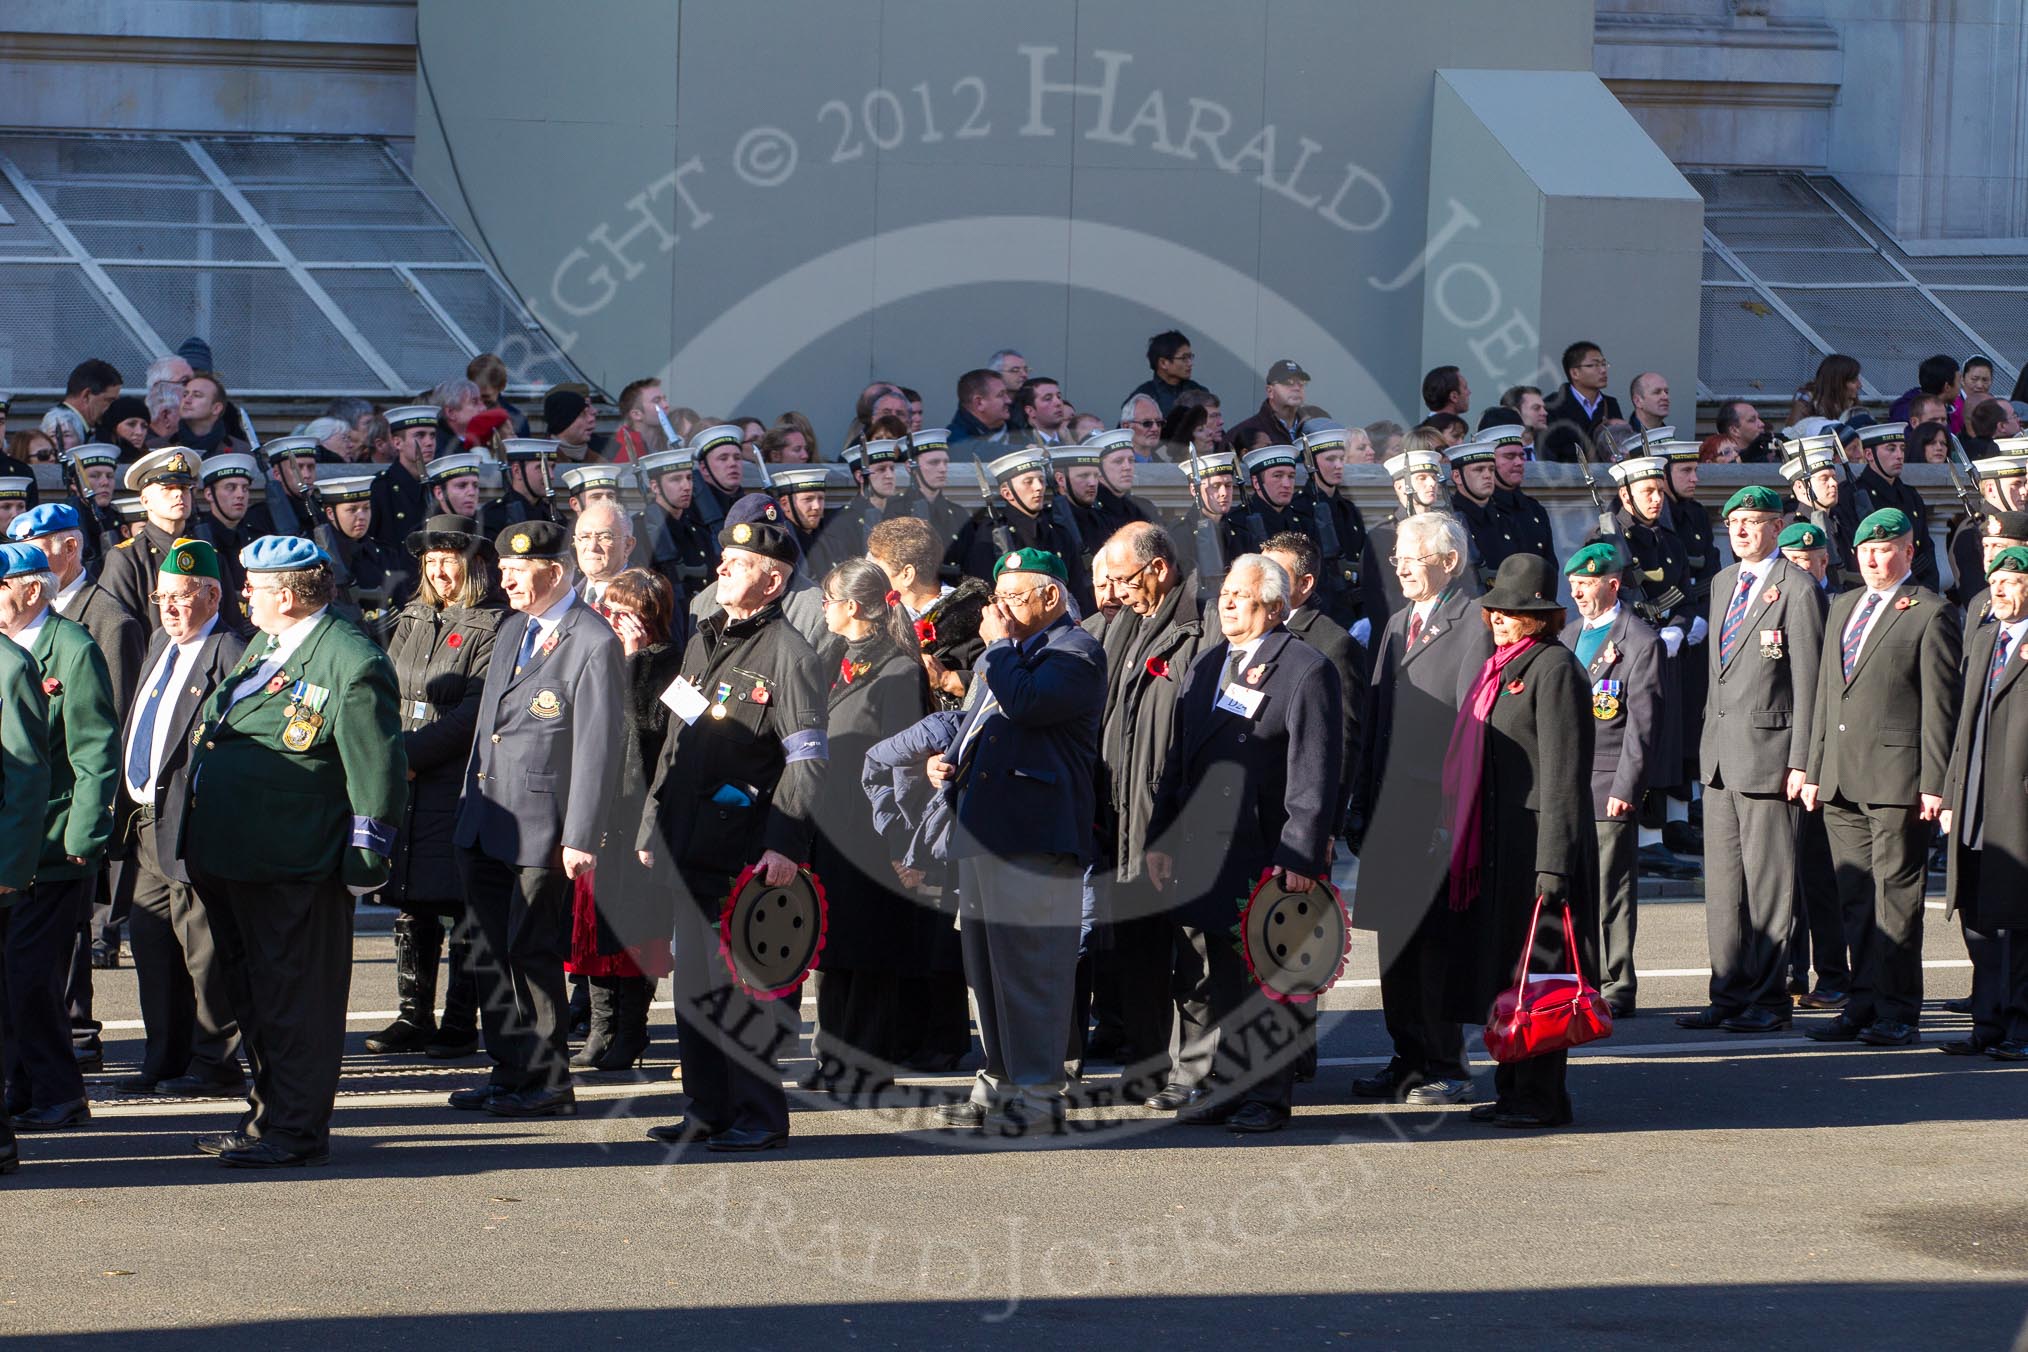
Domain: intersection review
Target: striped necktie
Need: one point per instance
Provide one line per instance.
(2001, 652)
(1855, 633)
(1728, 634)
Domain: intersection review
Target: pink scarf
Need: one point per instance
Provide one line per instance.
(1464, 771)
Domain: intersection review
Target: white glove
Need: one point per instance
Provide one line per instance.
(1699, 631)
(1362, 631)
(1672, 638)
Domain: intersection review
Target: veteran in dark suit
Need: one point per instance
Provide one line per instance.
(1986, 816)
(1622, 659)
(1766, 641)
(301, 735)
(1021, 772)
(1427, 656)
(539, 787)
(192, 1041)
(1880, 739)
(1252, 786)
(24, 795)
(737, 784)
(45, 1090)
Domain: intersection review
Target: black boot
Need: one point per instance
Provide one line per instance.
(601, 1011)
(10, 1155)
(418, 939)
(458, 1032)
(630, 997)
(580, 1009)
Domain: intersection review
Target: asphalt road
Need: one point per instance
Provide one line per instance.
(1716, 1191)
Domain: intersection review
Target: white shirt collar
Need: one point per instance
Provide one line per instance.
(69, 594)
(553, 616)
(292, 638)
(1884, 592)
(1606, 619)
(1245, 651)
(27, 636)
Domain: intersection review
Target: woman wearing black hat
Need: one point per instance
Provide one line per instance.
(439, 646)
(125, 425)
(1517, 798)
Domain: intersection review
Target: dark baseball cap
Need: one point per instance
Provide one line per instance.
(1285, 369)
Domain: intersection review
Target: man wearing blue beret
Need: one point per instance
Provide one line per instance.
(45, 1089)
(302, 737)
(24, 792)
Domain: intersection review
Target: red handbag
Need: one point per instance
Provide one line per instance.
(1546, 1013)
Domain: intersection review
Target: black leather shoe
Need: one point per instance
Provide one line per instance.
(89, 1062)
(1622, 1009)
(1528, 1121)
(1820, 998)
(2012, 1050)
(218, 1142)
(1711, 1016)
(1840, 1029)
(683, 1131)
(267, 1155)
(1171, 1097)
(473, 1100)
(10, 1158)
(59, 1117)
(135, 1084)
(1963, 1006)
(534, 1103)
(1485, 1112)
(1965, 1046)
(403, 1035)
(1257, 1118)
(1756, 1021)
(105, 958)
(1208, 1112)
(1890, 1033)
(198, 1086)
(1386, 1083)
(963, 1113)
(746, 1141)
(450, 1043)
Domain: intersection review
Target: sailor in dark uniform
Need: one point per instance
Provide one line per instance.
(1419, 478)
(377, 581)
(928, 495)
(1017, 519)
(1474, 481)
(400, 501)
(1117, 506)
(592, 482)
(1510, 469)
(2002, 481)
(1810, 464)
(1348, 583)
(874, 466)
(1216, 530)
(1078, 479)
(674, 541)
(165, 479)
(452, 483)
(292, 478)
(225, 484)
(717, 455)
(1271, 473)
(1691, 522)
(823, 533)
(527, 495)
(1885, 449)
(98, 465)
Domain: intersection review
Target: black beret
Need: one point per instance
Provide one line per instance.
(761, 537)
(534, 540)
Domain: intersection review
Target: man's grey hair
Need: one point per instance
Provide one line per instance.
(1271, 577)
(168, 371)
(1432, 532)
(46, 578)
(1145, 542)
(162, 398)
(320, 428)
(1127, 409)
(998, 361)
(623, 522)
(454, 391)
(350, 409)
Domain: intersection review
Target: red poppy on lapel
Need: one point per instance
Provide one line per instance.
(1158, 668)
(1515, 687)
(51, 686)
(1253, 676)
(275, 686)
(1771, 595)
(851, 670)
(454, 640)
(925, 631)
(1904, 603)
(549, 644)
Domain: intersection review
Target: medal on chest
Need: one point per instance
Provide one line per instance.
(305, 712)
(1772, 644)
(718, 701)
(1605, 700)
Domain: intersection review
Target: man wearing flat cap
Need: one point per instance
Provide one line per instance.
(1880, 739)
(1766, 638)
(45, 1091)
(533, 816)
(735, 788)
(303, 737)
(166, 479)
(192, 1040)
(1623, 660)
(1986, 818)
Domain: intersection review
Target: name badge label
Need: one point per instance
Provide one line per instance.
(1235, 699)
(685, 700)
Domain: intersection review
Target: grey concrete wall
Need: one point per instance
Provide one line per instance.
(778, 200)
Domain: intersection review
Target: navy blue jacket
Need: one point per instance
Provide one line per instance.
(911, 815)
(1025, 753)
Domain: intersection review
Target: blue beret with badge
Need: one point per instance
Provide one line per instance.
(281, 554)
(1889, 523)
(17, 559)
(48, 519)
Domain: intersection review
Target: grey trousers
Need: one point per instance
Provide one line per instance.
(1749, 897)
(1619, 880)
(186, 1009)
(1017, 924)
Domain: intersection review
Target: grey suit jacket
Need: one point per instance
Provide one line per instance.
(216, 657)
(546, 754)
(1628, 719)
(1760, 710)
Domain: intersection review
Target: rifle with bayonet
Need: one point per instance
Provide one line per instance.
(996, 511)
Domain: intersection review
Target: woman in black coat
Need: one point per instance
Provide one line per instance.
(1517, 778)
(619, 937)
(878, 690)
(439, 645)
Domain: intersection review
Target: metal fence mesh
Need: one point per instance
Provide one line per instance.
(51, 317)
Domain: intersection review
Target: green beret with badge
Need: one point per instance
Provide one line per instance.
(1889, 523)
(1598, 559)
(2012, 559)
(1753, 498)
(1031, 560)
(1802, 535)
(190, 558)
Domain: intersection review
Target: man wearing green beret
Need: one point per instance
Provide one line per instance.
(303, 736)
(1767, 625)
(1804, 544)
(1880, 739)
(2003, 484)
(192, 1039)
(1987, 829)
(1996, 531)
(45, 1090)
(1817, 934)
(1623, 659)
(24, 793)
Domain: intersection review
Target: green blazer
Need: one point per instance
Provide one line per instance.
(83, 741)
(313, 804)
(24, 766)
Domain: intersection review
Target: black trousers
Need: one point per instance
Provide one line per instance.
(185, 1006)
(728, 1041)
(1540, 1085)
(286, 953)
(1411, 993)
(112, 895)
(1234, 1039)
(517, 921)
(1619, 876)
(40, 931)
(1881, 852)
(1143, 959)
(1818, 935)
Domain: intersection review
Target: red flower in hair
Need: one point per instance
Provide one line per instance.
(51, 686)
(893, 598)
(1158, 668)
(454, 640)
(925, 631)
